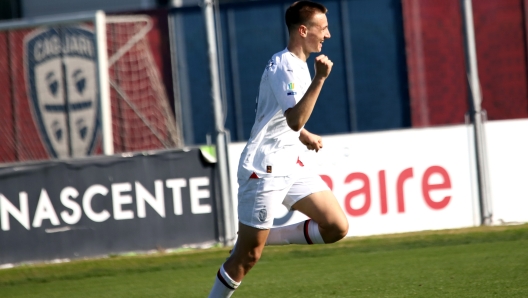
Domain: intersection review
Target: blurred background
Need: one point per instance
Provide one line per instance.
(401, 82)
(399, 63)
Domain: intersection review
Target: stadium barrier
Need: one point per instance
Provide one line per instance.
(395, 181)
(106, 205)
(417, 179)
(507, 161)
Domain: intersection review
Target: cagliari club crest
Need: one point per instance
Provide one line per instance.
(61, 79)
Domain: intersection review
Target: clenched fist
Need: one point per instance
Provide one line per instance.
(311, 141)
(323, 66)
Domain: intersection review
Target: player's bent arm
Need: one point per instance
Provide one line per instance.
(310, 140)
(304, 136)
(297, 116)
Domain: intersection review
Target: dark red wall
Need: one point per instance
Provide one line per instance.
(7, 148)
(436, 59)
(501, 53)
(28, 144)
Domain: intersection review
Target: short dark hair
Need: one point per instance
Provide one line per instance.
(300, 12)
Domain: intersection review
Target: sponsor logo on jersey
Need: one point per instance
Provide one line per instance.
(270, 64)
(60, 67)
(291, 87)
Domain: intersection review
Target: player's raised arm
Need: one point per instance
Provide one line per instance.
(297, 116)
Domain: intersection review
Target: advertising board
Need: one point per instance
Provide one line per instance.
(394, 181)
(106, 205)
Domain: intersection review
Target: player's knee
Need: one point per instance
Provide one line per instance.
(336, 231)
(342, 229)
(252, 258)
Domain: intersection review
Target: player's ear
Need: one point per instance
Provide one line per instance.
(303, 30)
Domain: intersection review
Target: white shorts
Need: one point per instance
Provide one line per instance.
(257, 198)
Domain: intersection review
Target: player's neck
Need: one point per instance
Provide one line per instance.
(298, 51)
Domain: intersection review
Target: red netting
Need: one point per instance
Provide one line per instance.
(141, 115)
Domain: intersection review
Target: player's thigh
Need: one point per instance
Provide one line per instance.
(310, 195)
(258, 200)
(323, 208)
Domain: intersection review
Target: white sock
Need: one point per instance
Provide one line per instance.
(313, 232)
(224, 285)
(304, 232)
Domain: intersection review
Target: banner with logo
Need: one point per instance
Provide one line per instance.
(50, 100)
(61, 71)
(393, 181)
(106, 205)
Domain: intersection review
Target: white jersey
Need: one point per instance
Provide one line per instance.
(273, 148)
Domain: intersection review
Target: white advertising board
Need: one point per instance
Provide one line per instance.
(394, 181)
(507, 152)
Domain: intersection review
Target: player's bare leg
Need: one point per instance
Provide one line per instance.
(327, 223)
(323, 208)
(247, 251)
(244, 256)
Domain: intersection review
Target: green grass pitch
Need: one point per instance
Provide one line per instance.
(476, 262)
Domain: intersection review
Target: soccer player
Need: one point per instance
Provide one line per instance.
(270, 171)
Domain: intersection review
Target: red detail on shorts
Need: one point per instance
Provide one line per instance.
(253, 176)
(299, 162)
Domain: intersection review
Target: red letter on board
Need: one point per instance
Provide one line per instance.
(328, 181)
(365, 190)
(383, 192)
(406, 174)
(427, 188)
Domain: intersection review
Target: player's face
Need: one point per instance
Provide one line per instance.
(317, 32)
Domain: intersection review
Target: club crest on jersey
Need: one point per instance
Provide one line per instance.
(60, 67)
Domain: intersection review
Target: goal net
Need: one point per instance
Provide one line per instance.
(53, 99)
(142, 116)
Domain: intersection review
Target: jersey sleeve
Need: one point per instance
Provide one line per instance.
(284, 86)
